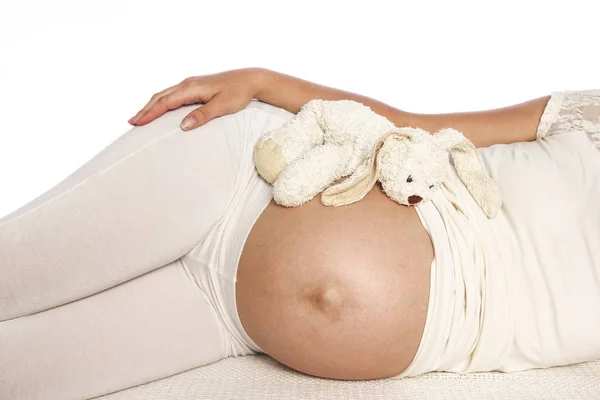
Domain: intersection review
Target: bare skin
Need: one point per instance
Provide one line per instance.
(341, 292)
(230, 91)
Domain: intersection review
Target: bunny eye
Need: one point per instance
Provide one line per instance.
(409, 179)
(430, 186)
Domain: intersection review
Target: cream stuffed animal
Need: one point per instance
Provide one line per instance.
(328, 140)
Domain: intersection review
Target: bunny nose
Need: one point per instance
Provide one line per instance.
(414, 199)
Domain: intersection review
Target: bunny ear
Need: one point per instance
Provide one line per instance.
(357, 185)
(351, 190)
(471, 171)
(447, 138)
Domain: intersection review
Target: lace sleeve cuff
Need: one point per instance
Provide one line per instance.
(550, 114)
(572, 110)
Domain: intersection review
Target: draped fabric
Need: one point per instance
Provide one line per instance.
(522, 290)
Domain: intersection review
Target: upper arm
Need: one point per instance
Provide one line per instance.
(515, 123)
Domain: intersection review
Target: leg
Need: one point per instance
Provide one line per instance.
(148, 328)
(281, 146)
(142, 202)
(305, 177)
(143, 320)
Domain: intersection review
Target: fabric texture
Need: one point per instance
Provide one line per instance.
(259, 377)
(521, 290)
(573, 110)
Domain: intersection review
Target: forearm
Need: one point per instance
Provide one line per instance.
(515, 123)
(503, 125)
(292, 93)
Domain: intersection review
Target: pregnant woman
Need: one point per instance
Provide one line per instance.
(165, 252)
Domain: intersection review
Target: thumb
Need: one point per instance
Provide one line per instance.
(215, 107)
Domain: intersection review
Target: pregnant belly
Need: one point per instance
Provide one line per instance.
(337, 292)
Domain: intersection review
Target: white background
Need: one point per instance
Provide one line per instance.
(72, 72)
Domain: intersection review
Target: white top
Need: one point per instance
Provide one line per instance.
(521, 290)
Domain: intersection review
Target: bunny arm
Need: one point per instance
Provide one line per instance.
(276, 149)
(308, 175)
(470, 169)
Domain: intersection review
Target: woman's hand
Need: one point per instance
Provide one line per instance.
(223, 93)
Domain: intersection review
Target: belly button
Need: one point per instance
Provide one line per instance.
(328, 301)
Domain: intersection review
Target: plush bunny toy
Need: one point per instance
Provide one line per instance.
(328, 140)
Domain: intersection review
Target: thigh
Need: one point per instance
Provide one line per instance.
(142, 202)
(148, 328)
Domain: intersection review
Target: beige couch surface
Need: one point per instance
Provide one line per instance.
(261, 377)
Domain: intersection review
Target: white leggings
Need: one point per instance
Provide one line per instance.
(125, 271)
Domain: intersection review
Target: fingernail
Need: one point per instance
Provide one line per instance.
(188, 123)
(133, 119)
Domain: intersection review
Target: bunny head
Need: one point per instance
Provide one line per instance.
(411, 163)
(410, 167)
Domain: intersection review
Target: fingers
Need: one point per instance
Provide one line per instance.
(169, 101)
(217, 98)
(219, 105)
(135, 119)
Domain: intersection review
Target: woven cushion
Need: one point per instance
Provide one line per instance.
(261, 377)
